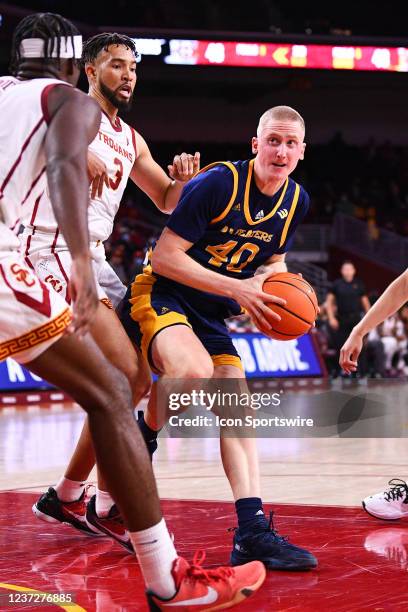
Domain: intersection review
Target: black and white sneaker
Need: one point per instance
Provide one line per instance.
(111, 525)
(50, 509)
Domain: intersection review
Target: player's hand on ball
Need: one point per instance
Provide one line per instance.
(350, 351)
(251, 297)
(184, 166)
(98, 175)
(84, 295)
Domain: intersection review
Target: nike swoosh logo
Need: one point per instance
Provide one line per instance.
(122, 537)
(79, 517)
(146, 543)
(211, 596)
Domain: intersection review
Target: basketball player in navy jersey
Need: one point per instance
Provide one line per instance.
(233, 221)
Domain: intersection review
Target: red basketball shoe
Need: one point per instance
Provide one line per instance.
(208, 589)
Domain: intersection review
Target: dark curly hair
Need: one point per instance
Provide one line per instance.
(48, 26)
(94, 45)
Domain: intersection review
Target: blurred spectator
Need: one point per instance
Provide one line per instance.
(402, 365)
(345, 304)
(241, 325)
(137, 264)
(116, 262)
(391, 334)
(373, 357)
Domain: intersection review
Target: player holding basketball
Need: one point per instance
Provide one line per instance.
(393, 503)
(232, 219)
(117, 153)
(45, 128)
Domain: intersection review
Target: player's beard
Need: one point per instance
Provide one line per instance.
(123, 106)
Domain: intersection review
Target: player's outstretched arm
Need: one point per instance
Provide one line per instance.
(171, 259)
(74, 122)
(391, 300)
(151, 178)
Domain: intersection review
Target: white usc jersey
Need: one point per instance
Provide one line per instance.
(32, 316)
(8, 240)
(42, 244)
(6, 83)
(23, 124)
(115, 145)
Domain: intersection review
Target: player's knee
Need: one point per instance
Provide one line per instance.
(191, 369)
(139, 380)
(113, 397)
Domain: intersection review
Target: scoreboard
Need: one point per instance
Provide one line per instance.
(194, 52)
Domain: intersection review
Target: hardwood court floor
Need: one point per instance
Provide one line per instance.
(316, 486)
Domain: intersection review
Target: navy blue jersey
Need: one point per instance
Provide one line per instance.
(234, 227)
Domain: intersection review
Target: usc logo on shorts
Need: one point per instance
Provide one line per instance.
(22, 275)
(54, 282)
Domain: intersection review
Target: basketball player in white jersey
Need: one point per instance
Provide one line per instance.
(45, 128)
(117, 153)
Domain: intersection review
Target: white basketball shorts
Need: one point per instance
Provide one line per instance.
(53, 266)
(32, 315)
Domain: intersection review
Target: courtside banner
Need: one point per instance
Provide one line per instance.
(261, 357)
(265, 358)
(14, 377)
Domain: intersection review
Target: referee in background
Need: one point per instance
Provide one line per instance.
(346, 303)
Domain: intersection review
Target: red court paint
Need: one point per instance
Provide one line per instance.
(363, 562)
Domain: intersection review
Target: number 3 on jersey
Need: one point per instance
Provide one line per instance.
(114, 183)
(220, 253)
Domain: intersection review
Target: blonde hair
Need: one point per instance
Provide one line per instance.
(281, 113)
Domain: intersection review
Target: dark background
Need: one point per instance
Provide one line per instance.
(221, 105)
(357, 122)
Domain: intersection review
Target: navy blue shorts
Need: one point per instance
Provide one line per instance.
(151, 306)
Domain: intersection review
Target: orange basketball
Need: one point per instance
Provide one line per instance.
(300, 312)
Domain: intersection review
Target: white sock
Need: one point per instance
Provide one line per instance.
(69, 490)
(104, 503)
(156, 554)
